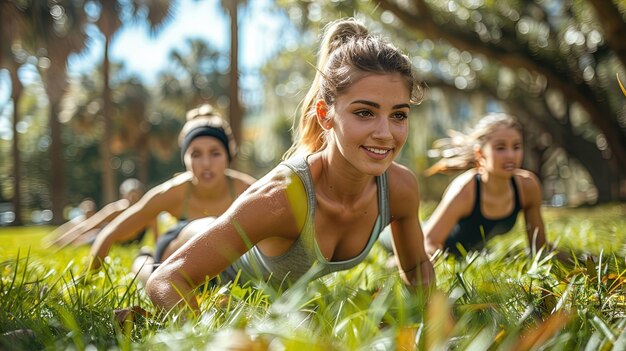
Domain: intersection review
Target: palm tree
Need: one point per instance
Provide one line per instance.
(12, 57)
(56, 31)
(236, 109)
(82, 111)
(109, 23)
(132, 130)
(192, 78)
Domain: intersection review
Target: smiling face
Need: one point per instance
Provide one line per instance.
(368, 123)
(502, 154)
(206, 158)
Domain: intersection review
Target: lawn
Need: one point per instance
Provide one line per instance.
(499, 298)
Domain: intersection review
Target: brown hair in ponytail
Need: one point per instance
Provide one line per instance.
(348, 52)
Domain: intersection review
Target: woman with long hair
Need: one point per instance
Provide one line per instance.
(485, 200)
(320, 210)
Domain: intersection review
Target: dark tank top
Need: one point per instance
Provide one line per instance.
(172, 233)
(474, 230)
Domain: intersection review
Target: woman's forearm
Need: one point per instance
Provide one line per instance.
(99, 250)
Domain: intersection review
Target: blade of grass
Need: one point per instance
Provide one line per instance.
(439, 322)
(536, 337)
(620, 84)
(603, 328)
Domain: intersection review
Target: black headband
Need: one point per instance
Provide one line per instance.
(217, 133)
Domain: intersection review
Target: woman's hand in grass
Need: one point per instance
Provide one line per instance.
(422, 277)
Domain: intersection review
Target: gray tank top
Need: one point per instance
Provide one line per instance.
(304, 258)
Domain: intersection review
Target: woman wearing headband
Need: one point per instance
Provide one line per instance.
(206, 189)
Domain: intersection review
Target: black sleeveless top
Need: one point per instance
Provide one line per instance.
(473, 231)
(172, 233)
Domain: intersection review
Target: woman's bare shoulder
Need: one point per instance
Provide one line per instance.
(171, 187)
(457, 200)
(526, 177)
(241, 180)
(401, 180)
(403, 191)
(461, 189)
(273, 201)
(401, 173)
(530, 187)
(275, 182)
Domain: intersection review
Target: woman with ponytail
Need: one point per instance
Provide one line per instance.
(484, 200)
(322, 208)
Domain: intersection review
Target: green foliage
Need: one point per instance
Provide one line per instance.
(524, 57)
(495, 299)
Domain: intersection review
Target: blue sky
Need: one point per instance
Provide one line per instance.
(145, 56)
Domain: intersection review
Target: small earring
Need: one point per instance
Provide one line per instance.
(327, 122)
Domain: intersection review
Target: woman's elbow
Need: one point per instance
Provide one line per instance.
(168, 287)
(157, 288)
(165, 288)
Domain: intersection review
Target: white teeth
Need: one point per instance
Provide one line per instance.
(377, 151)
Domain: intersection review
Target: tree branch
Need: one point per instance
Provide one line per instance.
(557, 76)
(613, 25)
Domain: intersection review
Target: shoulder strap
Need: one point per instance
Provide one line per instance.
(184, 214)
(518, 201)
(231, 187)
(299, 166)
(383, 199)
(477, 195)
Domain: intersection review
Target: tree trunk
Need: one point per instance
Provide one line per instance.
(16, 93)
(143, 158)
(55, 84)
(605, 180)
(108, 176)
(235, 109)
(574, 145)
(55, 87)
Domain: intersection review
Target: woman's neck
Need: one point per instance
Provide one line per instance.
(215, 191)
(339, 180)
(494, 184)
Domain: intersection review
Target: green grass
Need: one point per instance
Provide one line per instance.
(497, 299)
